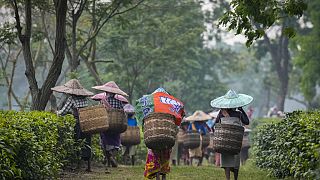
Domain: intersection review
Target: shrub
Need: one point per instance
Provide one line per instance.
(35, 145)
(289, 147)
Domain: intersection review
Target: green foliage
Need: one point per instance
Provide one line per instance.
(308, 56)
(252, 18)
(160, 44)
(290, 147)
(35, 145)
(7, 34)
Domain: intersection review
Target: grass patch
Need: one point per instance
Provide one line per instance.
(247, 172)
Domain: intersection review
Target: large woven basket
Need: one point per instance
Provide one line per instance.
(117, 120)
(211, 147)
(93, 119)
(191, 140)
(131, 136)
(159, 131)
(205, 140)
(180, 136)
(228, 138)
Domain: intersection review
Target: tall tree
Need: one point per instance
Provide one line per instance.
(161, 44)
(253, 18)
(308, 56)
(41, 95)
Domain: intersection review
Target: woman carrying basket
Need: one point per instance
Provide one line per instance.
(77, 99)
(228, 104)
(198, 124)
(110, 141)
(160, 112)
(130, 150)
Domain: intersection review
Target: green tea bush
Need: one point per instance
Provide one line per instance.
(35, 145)
(290, 147)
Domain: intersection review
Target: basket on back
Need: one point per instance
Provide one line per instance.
(131, 136)
(205, 140)
(211, 147)
(117, 120)
(228, 138)
(180, 136)
(97, 119)
(191, 140)
(93, 119)
(159, 131)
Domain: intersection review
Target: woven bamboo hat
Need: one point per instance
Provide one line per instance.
(121, 98)
(231, 100)
(100, 96)
(214, 114)
(198, 116)
(72, 87)
(128, 108)
(111, 87)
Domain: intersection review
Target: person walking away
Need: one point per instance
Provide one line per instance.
(130, 151)
(77, 98)
(231, 112)
(197, 153)
(110, 141)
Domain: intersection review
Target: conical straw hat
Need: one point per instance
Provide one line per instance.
(121, 98)
(72, 87)
(128, 108)
(198, 116)
(214, 114)
(99, 96)
(231, 100)
(111, 87)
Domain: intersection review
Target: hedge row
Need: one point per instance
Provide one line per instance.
(290, 147)
(35, 145)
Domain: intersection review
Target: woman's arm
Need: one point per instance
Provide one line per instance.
(244, 118)
(66, 108)
(219, 117)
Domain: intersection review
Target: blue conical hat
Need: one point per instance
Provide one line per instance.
(231, 100)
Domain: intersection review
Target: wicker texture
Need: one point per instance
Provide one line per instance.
(117, 120)
(93, 119)
(191, 140)
(159, 131)
(131, 136)
(205, 140)
(228, 138)
(180, 136)
(211, 147)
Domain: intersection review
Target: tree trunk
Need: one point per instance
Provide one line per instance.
(280, 58)
(55, 69)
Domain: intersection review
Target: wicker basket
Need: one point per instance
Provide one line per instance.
(228, 138)
(211, 147)
(205, 140)
(131, 136)
(180, 136)
(117, 120)
(191, 140)
(159, 131)
(93, 119)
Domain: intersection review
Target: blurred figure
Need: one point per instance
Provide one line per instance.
(130, 151)
(250, 112)
(273, 111)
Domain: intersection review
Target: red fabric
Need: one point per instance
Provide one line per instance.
(166, 103)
